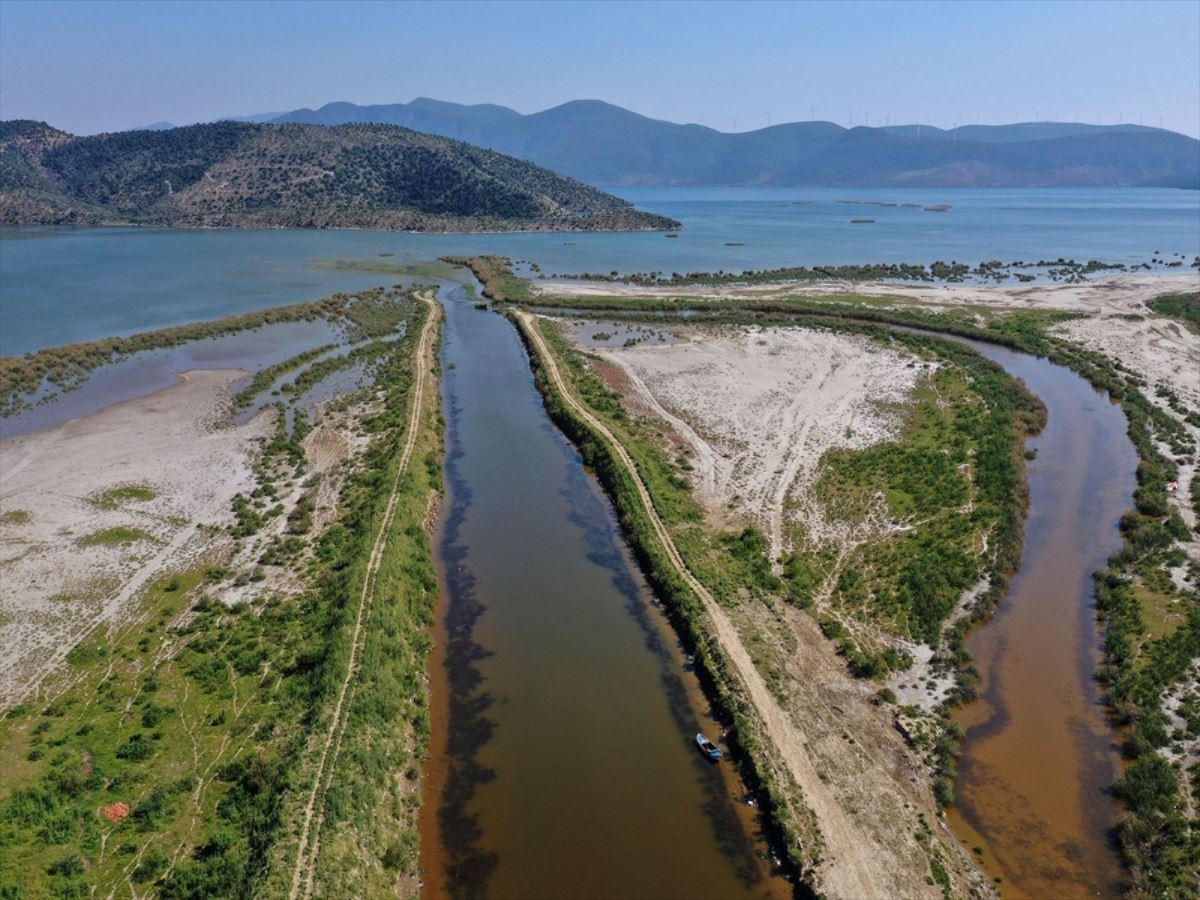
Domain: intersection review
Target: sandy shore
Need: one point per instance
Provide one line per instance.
(1111, 293)
(60, 575)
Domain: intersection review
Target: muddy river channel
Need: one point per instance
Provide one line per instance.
(1040, 754)
(563, 761)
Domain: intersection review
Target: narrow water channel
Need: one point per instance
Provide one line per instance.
(562, 762)
(1040, 755)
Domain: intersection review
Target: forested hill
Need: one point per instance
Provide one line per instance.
(244, 175)
(605, 144)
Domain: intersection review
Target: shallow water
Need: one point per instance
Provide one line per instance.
(61, 286)
(563, 762)
(1040, 755)
(145, 373)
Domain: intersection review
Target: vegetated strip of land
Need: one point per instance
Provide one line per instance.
(1149, 670)
(1184, 307)
(68, 366)
(308, 853)
(180, 747)
(1061, 269)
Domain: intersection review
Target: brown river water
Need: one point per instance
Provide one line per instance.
(1040, 754)
(562, 762)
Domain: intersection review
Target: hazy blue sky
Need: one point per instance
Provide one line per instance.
(96, 66)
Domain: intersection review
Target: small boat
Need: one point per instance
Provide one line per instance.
(708, 748)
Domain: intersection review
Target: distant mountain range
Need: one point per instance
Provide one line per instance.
(604, 144)
(245, 175)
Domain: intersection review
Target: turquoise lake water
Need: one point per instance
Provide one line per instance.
(60, 286)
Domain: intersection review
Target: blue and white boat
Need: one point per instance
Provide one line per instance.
(708, 748)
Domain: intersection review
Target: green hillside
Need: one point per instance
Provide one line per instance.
(243, 175)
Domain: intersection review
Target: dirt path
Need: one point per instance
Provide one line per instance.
(854, 865)
(310, 842)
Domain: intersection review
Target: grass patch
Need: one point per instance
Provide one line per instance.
(118, 535)
(115, 497)
(15, 517)
(1161, 613)
(1183, 307)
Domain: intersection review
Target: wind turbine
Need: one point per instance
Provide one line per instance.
(812, 114)
(735, 118)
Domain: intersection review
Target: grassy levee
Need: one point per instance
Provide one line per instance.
(171, 754)
(797, 834)
(368, 843)
(496, 275)
(351, 815)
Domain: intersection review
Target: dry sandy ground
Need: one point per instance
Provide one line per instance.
(52, 589)
(758, 408)
(1112, 293)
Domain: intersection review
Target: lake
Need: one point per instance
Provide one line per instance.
(61, 286)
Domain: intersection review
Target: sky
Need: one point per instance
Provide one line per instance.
(107, 66)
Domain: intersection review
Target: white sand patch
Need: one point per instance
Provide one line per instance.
(52, 589)
(759, 407)
(1108, 294)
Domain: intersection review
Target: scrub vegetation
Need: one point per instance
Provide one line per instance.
(174, 753)
(248, 175)
(1184, 307)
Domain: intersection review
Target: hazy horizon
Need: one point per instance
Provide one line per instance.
(94, 67)
(257, 116)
